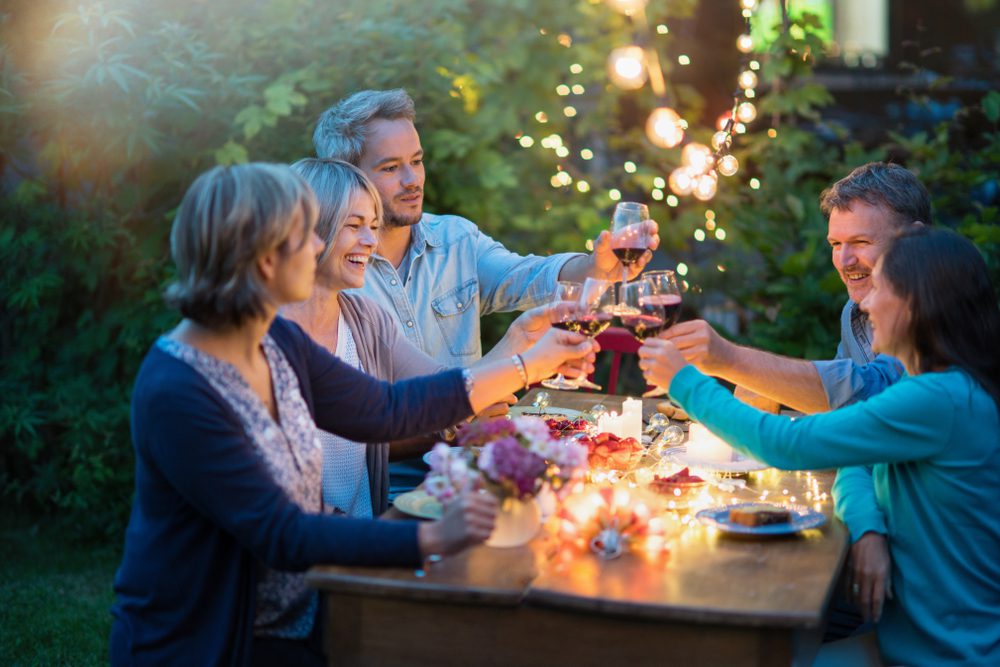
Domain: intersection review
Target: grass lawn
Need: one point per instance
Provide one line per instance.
(56, 595)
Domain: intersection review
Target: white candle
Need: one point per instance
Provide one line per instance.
(632, 418)
(704, 445)
(609, 423)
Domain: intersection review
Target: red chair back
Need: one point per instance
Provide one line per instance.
(618, 341)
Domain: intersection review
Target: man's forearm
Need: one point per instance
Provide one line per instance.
(792, 382)
(579, 268)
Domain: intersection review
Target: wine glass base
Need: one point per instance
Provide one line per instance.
(584, 383)
(560, 383)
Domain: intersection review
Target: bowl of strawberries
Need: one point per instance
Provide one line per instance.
(681, 486)
(607, 451)
(561, 426)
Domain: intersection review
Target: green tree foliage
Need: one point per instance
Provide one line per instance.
(108, 110)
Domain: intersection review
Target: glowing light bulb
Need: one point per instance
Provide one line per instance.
(744, 43)
(627, 7)
(747, 80)
(746, 112)
(697, 156)
(728, 165)
(681, 181)
(562, 90)
(723, 120)
(720, 139)
(747, 4)
(664, 127)
(706, 186)
(526, 141)
(627, 67)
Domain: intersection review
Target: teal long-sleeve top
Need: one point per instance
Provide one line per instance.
(934, 443)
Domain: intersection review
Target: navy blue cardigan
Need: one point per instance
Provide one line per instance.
(207, 515)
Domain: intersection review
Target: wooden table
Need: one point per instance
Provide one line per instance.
(714, 600)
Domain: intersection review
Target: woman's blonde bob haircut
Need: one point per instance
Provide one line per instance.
(228, 219)
(335, 183)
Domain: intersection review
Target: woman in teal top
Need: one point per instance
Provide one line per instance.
(933, 439)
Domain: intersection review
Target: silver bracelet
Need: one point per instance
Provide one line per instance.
(521, 370)
(470, 382)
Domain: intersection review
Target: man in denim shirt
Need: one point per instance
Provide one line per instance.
(866, 209)
(437, 274)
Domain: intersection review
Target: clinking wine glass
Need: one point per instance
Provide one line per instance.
(644, 315)
(596, 310)
(629, 238)
(567, 296)
(661, 289)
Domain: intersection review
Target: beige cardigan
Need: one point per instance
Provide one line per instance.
(386, 354)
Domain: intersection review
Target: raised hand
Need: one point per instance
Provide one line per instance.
(606, 263)
(700, 345)
(660, 361)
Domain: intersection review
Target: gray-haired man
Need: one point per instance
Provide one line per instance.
(437, 274)
(866, 209)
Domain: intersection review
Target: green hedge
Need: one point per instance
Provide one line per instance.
(109, 110)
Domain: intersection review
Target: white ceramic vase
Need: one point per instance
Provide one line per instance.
(517, 522)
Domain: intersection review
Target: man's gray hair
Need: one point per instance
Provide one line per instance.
(888, 186)
(342, 130)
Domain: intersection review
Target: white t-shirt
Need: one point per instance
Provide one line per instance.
(345, 472)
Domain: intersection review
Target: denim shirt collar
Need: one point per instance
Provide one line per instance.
(422, 235)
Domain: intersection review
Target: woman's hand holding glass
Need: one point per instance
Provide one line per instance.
(561, 351)
(660, 361)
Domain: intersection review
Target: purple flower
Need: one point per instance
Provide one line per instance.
(507, 463)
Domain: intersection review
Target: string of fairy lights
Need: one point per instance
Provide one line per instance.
(631, 67)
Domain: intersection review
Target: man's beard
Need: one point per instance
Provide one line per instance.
(392, 219)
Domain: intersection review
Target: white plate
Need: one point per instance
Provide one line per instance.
(418, 503)
(532, 411)
(801, 518)
(741, 464)
(454, 448)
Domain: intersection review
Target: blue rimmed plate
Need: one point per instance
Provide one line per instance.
(802, 518)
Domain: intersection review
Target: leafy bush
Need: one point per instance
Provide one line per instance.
(108, 110)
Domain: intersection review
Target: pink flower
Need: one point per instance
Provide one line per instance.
(517, 457)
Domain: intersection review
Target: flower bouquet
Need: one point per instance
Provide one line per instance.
(516, 458)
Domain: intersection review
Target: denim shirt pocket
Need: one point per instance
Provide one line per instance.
(456, 317)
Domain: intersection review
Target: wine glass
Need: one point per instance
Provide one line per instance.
(629, 237)
(567, 292)
(645, 316)
(662, 290)
(597, 305)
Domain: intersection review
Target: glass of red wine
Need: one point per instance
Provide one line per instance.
(567, 294)
(644, 315)
(629, 239)
(661, 290)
